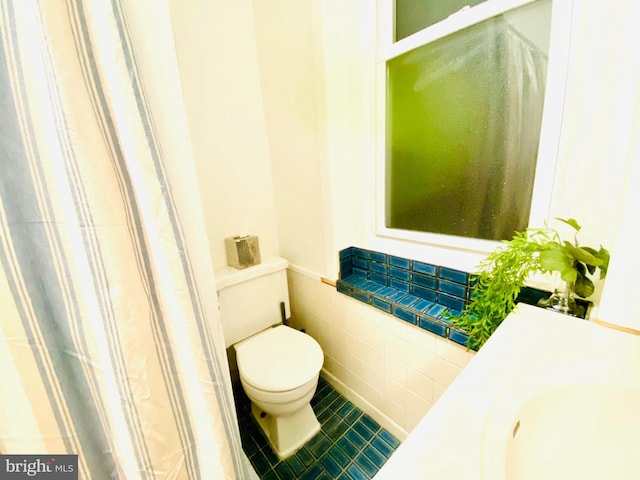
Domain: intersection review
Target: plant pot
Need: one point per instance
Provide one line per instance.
(561, 301)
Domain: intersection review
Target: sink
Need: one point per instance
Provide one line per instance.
(568, 423)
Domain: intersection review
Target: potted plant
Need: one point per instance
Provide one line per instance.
(503, 273)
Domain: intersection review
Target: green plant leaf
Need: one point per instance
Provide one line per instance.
(582, 254)
(583, 286)
(555, 259)
(570, 221)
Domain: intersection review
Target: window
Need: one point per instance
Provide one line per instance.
(464, 98)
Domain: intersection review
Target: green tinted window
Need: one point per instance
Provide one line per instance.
(463, 126)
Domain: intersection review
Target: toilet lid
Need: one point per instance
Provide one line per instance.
(279, 359)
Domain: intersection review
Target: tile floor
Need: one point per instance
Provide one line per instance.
(349, 446)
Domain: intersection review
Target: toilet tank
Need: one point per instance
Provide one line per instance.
(249, 299)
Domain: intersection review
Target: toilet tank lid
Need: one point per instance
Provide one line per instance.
(228, 276)
(279, 359)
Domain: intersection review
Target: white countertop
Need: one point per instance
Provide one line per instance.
(447, 443)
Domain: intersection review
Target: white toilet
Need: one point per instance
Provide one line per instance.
(278, 365)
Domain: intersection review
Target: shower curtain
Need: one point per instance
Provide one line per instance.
(110, 344)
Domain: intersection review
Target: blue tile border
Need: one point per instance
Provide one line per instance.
(416, 292)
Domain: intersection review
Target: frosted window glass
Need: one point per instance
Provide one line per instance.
(463, 127)
(412, 16)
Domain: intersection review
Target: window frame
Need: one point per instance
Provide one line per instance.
(547, 161)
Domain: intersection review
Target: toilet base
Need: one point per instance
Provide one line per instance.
(286, 434)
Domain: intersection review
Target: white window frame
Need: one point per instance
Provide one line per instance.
(545, 177)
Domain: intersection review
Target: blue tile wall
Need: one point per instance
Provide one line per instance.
(419, 293)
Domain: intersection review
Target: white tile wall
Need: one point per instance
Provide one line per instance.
(390, 369)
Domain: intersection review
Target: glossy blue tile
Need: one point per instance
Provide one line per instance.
(319, 444)
(356, 474)
(390, 439)
(399, 284)
(453, 275)
(407, 300)
(382, 446)
(366, 465)
(454, 289)
(432, 326)
(342, 287)
(421, 305)
(331, 466)
(364, 431)
(283, 470)
(396, 295)
(399, 262)
(426, 293)
(346, 253)
(378, 267)
(313, 473)
(346, 269)
(405, 315)
(358, 252)
(399, 273)
(458, 337)
(376, 457)
(360, 272)
(451, 302)
(363, 297)
(381, 304)
(435, 311)
(378, 257)
(370, 423)
(339, 456)
(347, 447)
(351, 417)
(379, 278)
(355, 438)
(360, 263)
(385, 292)
(424, 268)
(305, 456)
(424, 281)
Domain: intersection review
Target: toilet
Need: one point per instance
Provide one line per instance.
(278, 365)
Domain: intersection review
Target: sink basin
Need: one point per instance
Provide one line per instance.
(559, 426)
(548, 397)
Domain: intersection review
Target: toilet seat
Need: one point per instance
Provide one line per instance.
(279, 359)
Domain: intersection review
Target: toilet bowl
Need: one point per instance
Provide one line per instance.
(279, 369)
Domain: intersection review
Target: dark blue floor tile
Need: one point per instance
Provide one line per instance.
(319, 444)
(283, 471)
(347, 447)
(370, 423)
(390, 439)
(356, 439)
(356, 474)
(339, 456)
(363, 430)
(383, 447)
(376, 457)
(296, 465)
(350, 445)
(366, 465)
(331, 466)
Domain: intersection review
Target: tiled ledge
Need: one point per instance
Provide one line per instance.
(415, 292)
(419, 293)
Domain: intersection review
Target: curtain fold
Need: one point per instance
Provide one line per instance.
(107, 347)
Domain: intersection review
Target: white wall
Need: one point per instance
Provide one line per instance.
(390, 369)
(280, 98)
(216, 49)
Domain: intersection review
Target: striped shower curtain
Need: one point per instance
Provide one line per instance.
(110, 345)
